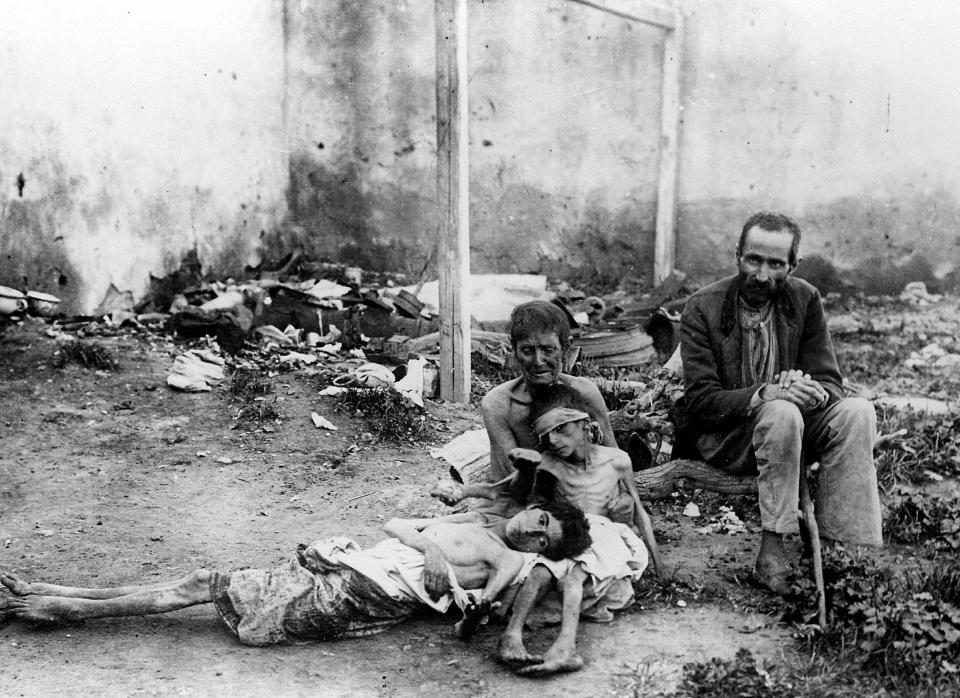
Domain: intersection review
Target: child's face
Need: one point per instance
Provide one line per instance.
(567, 440)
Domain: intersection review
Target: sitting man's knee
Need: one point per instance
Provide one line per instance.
(857, 411)
(781, 412)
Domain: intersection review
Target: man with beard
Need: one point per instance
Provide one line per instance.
(762, 385)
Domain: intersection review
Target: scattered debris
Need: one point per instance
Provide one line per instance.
(915, 293)
(469, 453)
(932, 356)
(322, 422)
(196, 371)
(915, 403)
(728, 522)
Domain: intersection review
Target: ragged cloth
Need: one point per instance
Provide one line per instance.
(615, 558)
(332, 589)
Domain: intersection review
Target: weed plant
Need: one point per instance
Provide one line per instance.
(932, 443)
(248, 390)
(899, 625)
(919, 519)
(87, 354)
(249, 383)
(386, 413)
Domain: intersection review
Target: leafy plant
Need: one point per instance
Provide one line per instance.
(248, 389)
(917, 518)
(387, 414)
(932, 443)
(741, 677)
(87, 354)
(899, 623)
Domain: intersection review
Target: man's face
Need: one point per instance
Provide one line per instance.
(533, 531)
(764, 264)
(541, 358)
(567, 440)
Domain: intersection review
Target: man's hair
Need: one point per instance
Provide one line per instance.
(553, 396)
(773, 223)
(538, 316)
(576, 530)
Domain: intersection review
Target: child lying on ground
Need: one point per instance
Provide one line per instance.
(333, 589)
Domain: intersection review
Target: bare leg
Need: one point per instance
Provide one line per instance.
(21, 587)
(511, 648)
(189, 591)
(562, 654)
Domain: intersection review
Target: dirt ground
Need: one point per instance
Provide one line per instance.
(109, 476)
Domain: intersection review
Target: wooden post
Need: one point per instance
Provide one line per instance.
(453, 198)
(665, 243)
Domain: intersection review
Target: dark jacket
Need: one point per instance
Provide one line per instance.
(715, 398)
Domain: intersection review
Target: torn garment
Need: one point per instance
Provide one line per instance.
(332, 590)
(615, 558)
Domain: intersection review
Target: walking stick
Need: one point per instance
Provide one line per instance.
(810, 519)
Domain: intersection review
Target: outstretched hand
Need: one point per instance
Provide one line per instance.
(473, 614)
(524, 459)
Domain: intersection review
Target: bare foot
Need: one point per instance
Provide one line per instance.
(512, 651)
(44, 609)
(6, 607)
(14, 583)
(555, 665)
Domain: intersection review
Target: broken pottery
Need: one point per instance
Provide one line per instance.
(11, 301)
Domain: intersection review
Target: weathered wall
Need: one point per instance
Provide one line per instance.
(145, 130)
(843, 117)
(142, 131)
(564, 106)
(842, 114)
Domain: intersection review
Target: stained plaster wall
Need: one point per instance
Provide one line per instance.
(142, 131)
(842, 114)
(564, 119)
(147, 130)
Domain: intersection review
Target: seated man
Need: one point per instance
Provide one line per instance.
(333, 589)
(762, 386)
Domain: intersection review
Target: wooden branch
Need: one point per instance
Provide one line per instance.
(663, 480)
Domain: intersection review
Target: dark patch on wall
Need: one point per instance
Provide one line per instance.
(875, 244)
(606, 249)
(820, 272)
(333, 216)
(878, 275)
(32, 255)
(507, 225)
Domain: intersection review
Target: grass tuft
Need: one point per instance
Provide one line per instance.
(386, 413)
(87, 354)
